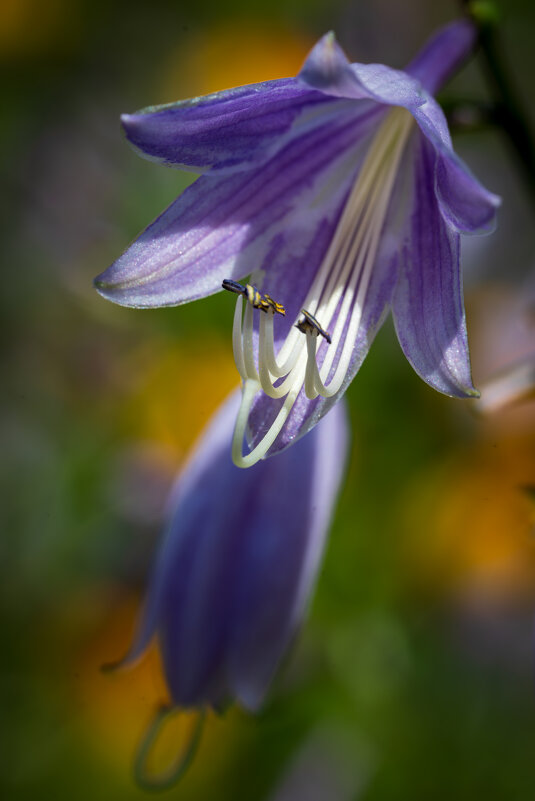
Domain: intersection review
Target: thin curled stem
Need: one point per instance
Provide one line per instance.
(509, 111)
(167, 778)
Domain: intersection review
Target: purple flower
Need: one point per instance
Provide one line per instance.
(338, 193)
(240, 556)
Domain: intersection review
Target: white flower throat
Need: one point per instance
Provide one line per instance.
(341, 283)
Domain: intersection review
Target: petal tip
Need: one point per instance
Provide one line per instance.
(328, 40)
(454, 389)
(129, 123)
(109, 290)
(325, 62)
(100, 284)
(473, 393)
(459, 388)
(490, 222)
(457, 383)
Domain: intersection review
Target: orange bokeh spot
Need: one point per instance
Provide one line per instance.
(178, 389)
(470, 522)
(31, 27)
(232, 54)
(115, 705)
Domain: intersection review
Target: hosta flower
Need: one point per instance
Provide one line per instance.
(240, 556)
(238, 561)
(336, 192)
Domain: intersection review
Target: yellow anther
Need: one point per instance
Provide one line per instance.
(277, 307)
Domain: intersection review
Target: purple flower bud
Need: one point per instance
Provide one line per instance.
(238, 562)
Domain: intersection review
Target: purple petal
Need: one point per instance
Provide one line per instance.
(229, 130)
(280, 563)
(237, 127)
(176, 551)
(222, 227)
(443, 54)
(239, 560)
(192, 588)
(465, 204)
(389, 86)
(328, 70)
(428, 303)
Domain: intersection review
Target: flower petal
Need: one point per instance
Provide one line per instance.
(280, 563)
(443, 54)
(428, 303)
(196, 570)
(466, 205)
(229, 130)
(328, 70)
(239, 560)
(222, 226)
(176, 552)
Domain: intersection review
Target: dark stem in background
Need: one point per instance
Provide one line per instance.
(508, 111)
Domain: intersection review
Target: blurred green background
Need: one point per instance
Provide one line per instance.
(414, 676)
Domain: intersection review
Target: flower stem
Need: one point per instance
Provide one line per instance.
(508, 112)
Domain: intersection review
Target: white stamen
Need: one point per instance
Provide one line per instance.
(248, 322)
(237, 346)
(338, 289)
(267, 364)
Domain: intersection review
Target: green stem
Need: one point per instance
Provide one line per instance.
(509, 112)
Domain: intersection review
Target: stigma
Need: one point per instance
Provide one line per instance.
(310, 358)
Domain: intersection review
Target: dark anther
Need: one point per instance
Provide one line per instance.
(309, 324)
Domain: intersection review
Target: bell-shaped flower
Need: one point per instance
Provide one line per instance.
(336, 193)
(238, 562)
(235, 572)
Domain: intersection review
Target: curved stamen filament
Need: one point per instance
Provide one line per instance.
(248, 322)
(267, 349)
(259, 451)
(237, 345)
(176, 770)
(264, 350)
(338, 292)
